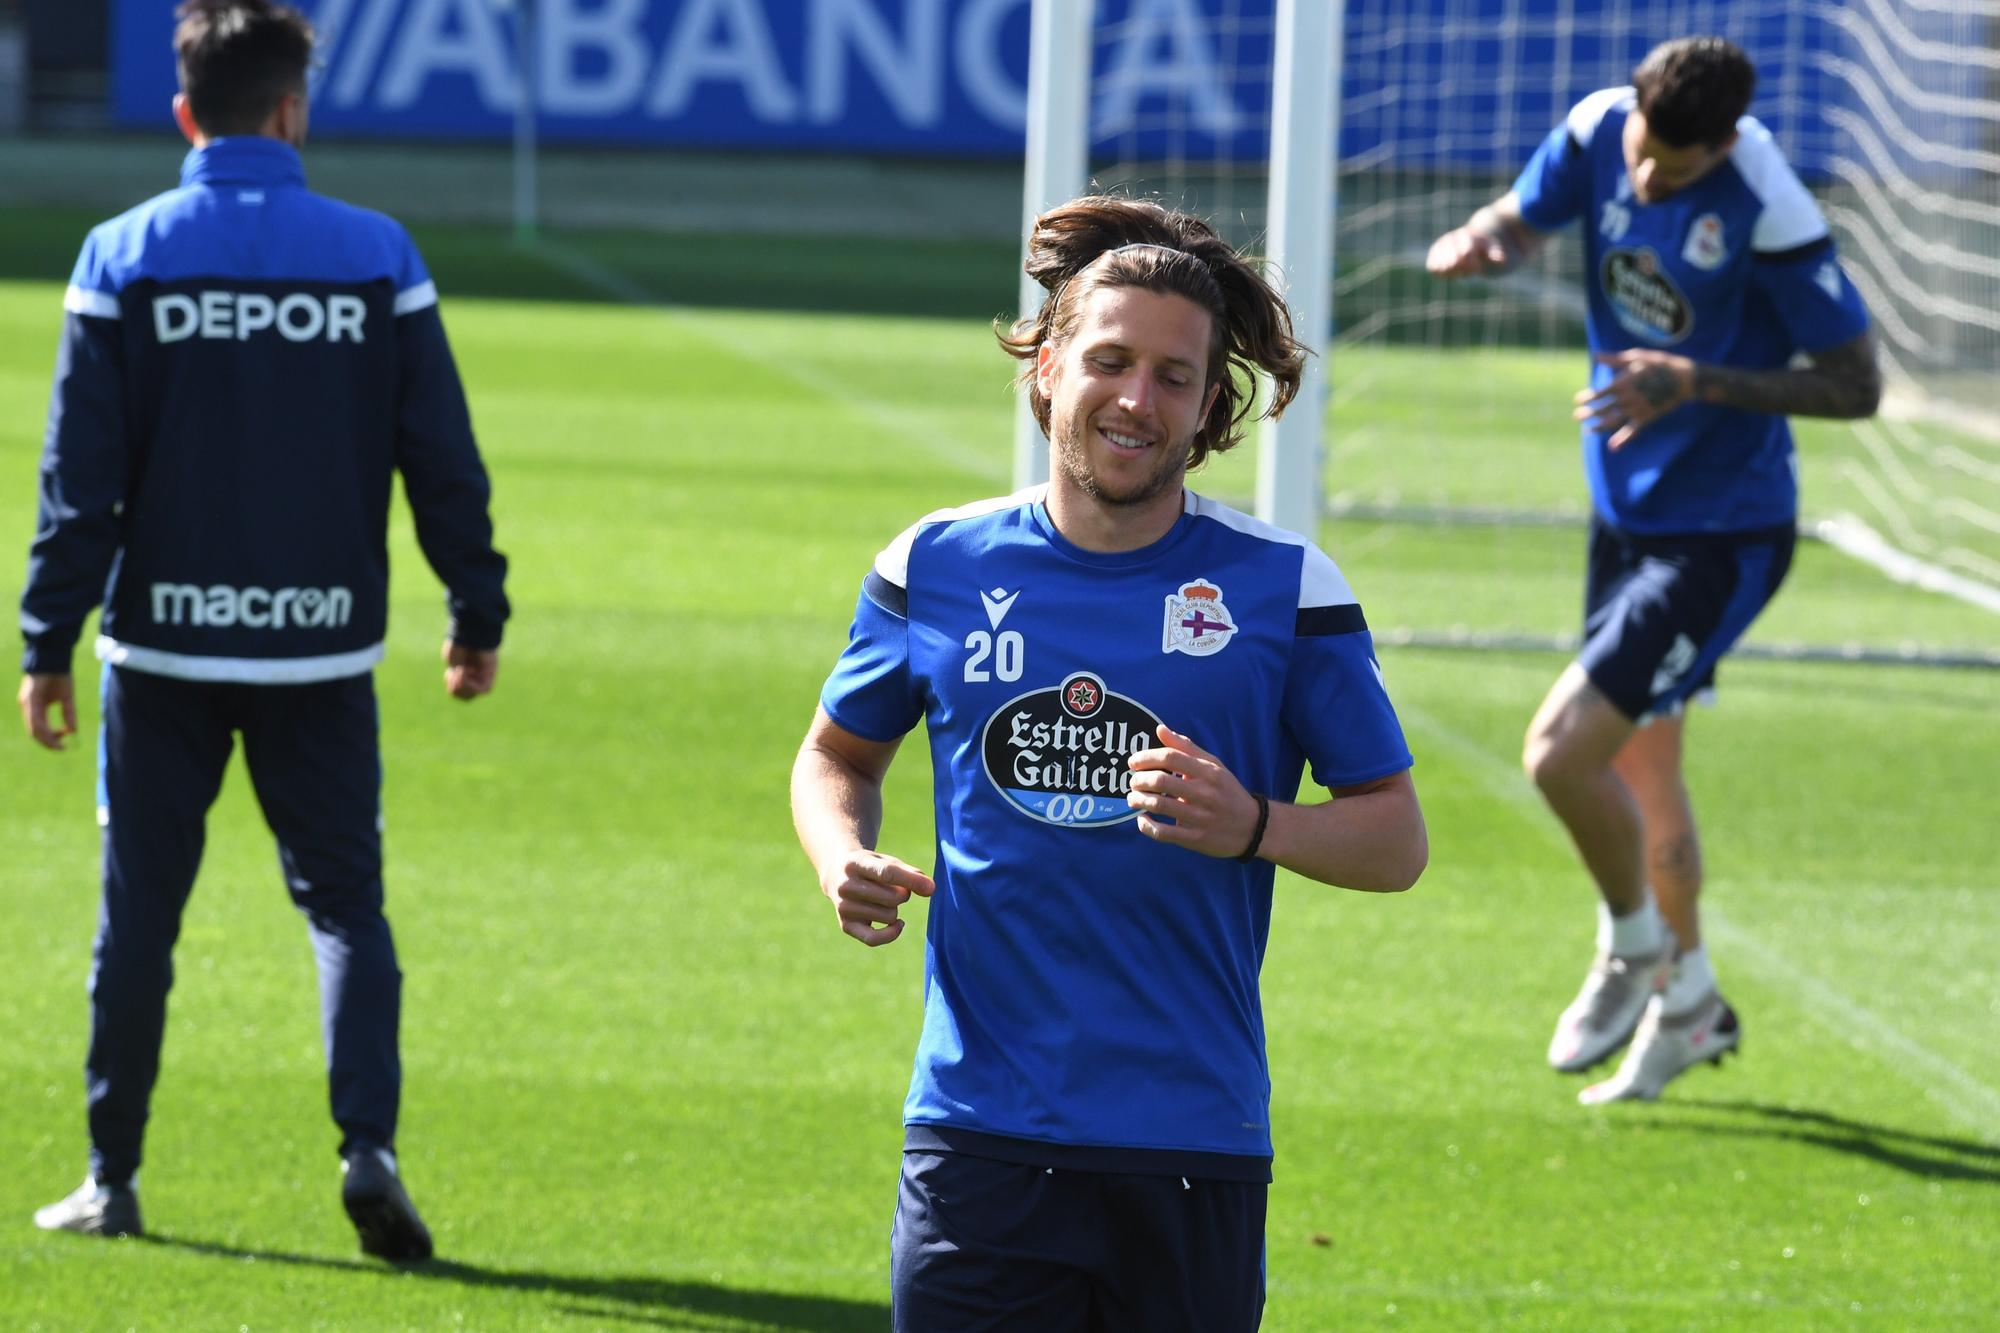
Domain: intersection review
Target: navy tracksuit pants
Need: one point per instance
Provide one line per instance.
(315, 764)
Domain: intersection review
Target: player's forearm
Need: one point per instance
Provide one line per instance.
(1499, 224)
(835, 806)
(1843, 383)
(1373, 841)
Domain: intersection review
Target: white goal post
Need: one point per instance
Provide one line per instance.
(1058, 168)
(1304, 117)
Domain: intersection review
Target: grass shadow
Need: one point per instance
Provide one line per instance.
(652, 1301)
(1930, 1156)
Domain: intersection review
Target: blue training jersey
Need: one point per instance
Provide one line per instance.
(244, 366)
(1086, 986)
(1735, 269)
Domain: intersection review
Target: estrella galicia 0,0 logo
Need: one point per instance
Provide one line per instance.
(1058, 754)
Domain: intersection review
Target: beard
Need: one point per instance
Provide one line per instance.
(1073, 457)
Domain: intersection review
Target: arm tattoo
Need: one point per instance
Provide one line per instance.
(1502, 225)
(1842, 382)
(1656, 385)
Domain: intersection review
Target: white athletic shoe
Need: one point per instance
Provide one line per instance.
(1604, 1013)
(1666, 1047)
(94, 1210)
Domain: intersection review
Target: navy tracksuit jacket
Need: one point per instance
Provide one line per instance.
(244, 365)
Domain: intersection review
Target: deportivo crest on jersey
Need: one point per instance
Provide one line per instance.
(1197, 623)
(1644, 297)
(1058, 754)
(1705, 248)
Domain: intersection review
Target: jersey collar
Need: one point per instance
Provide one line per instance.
(1111, 559)
(247, 159)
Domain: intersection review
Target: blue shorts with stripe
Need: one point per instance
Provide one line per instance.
(1660, 611)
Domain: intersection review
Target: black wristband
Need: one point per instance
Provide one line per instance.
(1257, 834)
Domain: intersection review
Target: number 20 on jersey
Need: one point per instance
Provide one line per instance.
(999, 656)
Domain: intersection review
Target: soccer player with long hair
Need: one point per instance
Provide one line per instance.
(1123, 683)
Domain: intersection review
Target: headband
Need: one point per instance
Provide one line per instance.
(1147, 245)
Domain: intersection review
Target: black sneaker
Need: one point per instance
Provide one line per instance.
(94, 1210)
(381, 1209)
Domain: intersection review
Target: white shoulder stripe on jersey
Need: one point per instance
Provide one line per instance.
(416, 298)
(242, 670)
(82, 301)
(1320, 581)
(893, 563)
(1587, 115)
(1790, 218)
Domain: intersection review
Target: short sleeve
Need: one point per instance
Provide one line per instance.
(1793, 261)
(1787, 218)
(1814, 297)
(1554, 188)
(1336, 704)
(871, 691)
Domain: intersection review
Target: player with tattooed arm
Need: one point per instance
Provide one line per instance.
(1717, 308)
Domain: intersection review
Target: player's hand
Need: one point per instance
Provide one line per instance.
(42, 693)
(1465, 253)
(1212, 812)
(470, 672)
(866, 889)
(1649, 384)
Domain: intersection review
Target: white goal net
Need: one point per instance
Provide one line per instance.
(1449, 402)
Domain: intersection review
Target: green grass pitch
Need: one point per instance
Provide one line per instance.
(650, 1085)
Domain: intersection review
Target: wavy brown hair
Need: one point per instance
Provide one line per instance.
(1106, 241)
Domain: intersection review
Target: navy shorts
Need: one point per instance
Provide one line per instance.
(1659, 612)
(987, 1245)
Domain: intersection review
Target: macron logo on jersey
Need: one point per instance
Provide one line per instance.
(998, 603)
(221, 606)
(236, 316)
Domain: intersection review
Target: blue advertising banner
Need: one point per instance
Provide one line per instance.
(945, 77)
(1423, 81)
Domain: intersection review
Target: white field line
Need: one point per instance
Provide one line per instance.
(1852, 537)
(900, 422)
(1943, 1081)
(1972, 1102)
